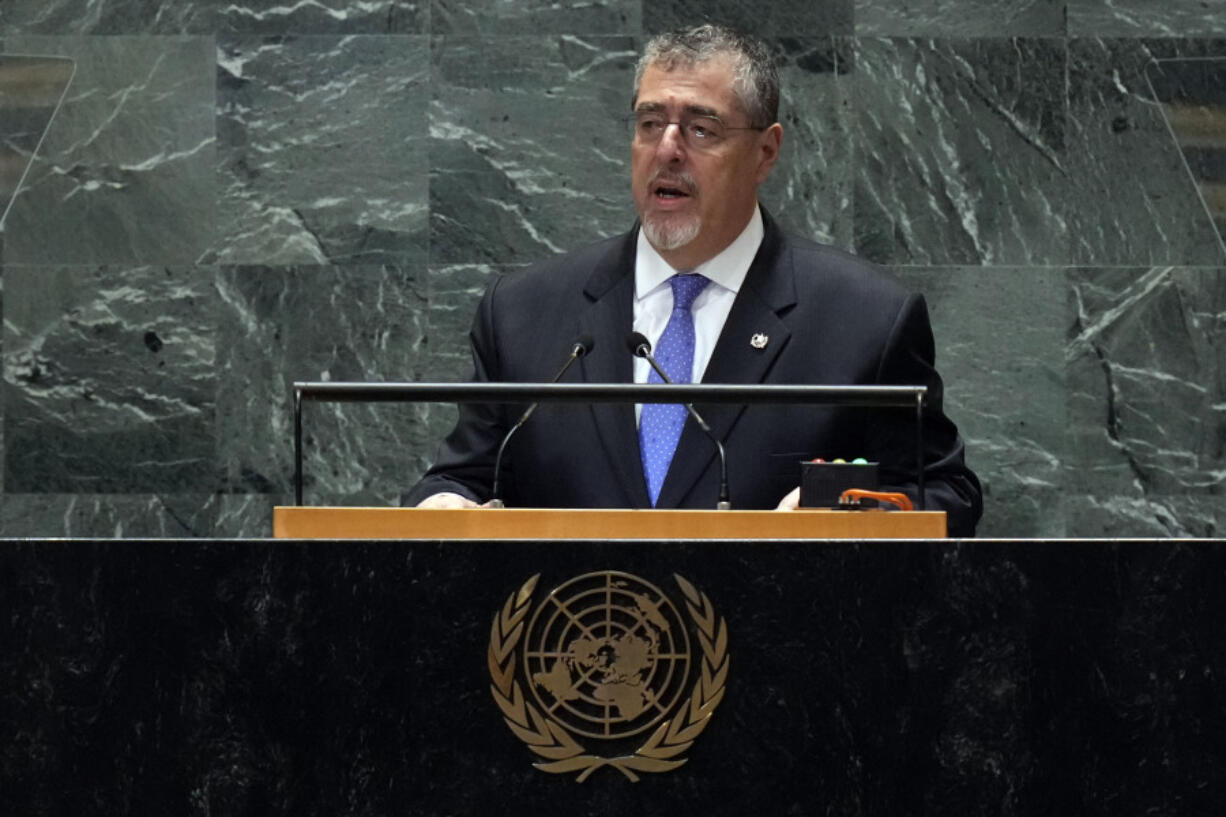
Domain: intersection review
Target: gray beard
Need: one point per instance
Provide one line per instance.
(670, 236)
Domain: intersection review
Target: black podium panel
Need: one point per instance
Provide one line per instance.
(871, 678)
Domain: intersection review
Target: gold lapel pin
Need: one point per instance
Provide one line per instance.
(759, 340)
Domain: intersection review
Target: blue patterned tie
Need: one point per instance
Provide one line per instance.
(660, 423)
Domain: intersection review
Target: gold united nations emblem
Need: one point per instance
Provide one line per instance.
(607, 663)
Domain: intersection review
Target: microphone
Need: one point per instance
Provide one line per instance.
(641, 347)
(582, 346)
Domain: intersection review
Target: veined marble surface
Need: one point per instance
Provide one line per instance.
(111, 17)
(1137, 201)
(1163, 516)
(961, 152)
(131, 515)
(110, 379)
(454, 293)
(313, 323)
(322, 16)
(782, 18)
(960, 18)
(121, 178)
(322, 150)
(1192, 95)
(30, 92)
(1147, 382)
(1005, 385)
(810, 189)
(498, 17)
(1146, 18)
(528, 149)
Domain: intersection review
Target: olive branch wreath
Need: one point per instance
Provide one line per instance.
(546, 737)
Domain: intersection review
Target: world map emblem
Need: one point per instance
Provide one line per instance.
(608, 672)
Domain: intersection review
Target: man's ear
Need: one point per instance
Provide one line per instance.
(769, 143)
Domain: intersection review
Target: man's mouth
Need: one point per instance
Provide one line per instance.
(671, 188)
(666, 190)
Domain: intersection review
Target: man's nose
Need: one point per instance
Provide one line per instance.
(672, 142)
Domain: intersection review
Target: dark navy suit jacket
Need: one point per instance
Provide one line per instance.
(830, 318)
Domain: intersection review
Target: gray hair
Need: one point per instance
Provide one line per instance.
(754, 78)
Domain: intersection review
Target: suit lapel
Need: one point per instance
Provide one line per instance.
(769, 289)
(609, 318)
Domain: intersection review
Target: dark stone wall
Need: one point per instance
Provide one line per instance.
(237, 195)
(1025, 678)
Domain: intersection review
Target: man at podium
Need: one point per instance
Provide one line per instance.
(720, 294)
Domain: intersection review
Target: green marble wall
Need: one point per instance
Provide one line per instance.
(238, 195)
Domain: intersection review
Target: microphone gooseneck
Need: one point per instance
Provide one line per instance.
(583, 345)
(641, 347)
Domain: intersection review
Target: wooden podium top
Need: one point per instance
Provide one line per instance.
(537, 523)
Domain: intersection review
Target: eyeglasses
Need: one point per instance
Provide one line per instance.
(698, 132)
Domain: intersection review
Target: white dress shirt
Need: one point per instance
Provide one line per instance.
(653, 296)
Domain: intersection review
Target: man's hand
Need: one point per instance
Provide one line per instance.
(790, 502)
(447, 501)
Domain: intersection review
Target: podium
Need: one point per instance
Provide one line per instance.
(864, 677)
(590, 524)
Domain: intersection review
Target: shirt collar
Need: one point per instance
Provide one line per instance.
(728, 269)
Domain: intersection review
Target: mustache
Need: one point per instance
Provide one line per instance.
(682, 180)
